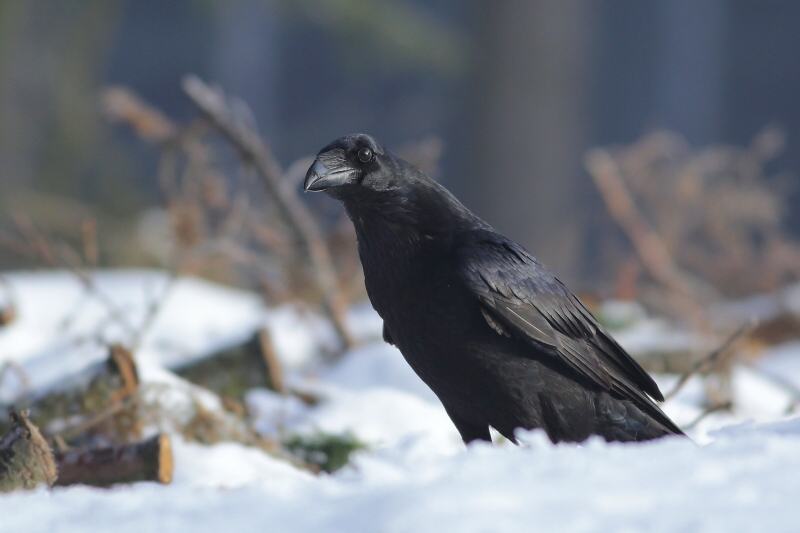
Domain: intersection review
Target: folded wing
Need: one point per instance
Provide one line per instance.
(519, 297)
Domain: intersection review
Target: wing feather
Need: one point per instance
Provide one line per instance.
(525, 300)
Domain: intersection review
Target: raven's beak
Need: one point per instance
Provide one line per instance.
(319, 177)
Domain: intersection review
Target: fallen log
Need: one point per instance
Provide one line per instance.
(95, 403)
(233, 371)
(149, 460)
(25, 458)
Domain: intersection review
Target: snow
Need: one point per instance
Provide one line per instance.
(739, 474)
(61, 328)
(642, 335)
(744, 482)
(378, 364)
(783, 362)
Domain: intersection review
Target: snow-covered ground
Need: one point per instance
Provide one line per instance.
(739, 474)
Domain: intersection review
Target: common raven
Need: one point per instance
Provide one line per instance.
(487, 327)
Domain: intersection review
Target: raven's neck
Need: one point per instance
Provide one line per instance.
(424, 211)
(407, 238)
(391, 235)
(399, 225)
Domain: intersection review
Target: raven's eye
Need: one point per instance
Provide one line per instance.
(365, 155)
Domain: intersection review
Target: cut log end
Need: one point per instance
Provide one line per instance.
(165, 466)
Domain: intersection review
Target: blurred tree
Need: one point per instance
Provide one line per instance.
(51, 61)
(517, 90)
(388, 35)
(530, 127)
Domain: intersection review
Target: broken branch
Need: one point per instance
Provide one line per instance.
(648, 244)
(294, 213)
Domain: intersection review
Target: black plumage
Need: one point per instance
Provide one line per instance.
(488, 328)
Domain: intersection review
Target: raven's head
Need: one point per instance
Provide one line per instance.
(374, 185)
(352, 164)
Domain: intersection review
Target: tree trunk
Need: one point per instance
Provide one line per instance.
(532, 128)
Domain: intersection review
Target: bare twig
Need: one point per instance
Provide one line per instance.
(13, 366)
(212, 102)
(123, 105)
(152, 312)
(71, 260)
(269, 238)
(223, 246)
(707, 411)
(100, 416)
(743, 330)
(39, 246)
(35, 240)
(646, 241)
(61, 445)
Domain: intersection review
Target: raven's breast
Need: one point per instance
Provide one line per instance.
(436, 323)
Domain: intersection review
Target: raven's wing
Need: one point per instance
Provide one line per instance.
(520, 297)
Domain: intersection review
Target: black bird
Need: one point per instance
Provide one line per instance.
(487, 327)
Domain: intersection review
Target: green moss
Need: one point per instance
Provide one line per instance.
(326, 451)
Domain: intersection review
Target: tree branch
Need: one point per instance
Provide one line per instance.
(743, 330)
(294, 213)
(648, 244)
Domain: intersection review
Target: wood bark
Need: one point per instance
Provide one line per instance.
(149, 460)
(233, 371)
(25, 458)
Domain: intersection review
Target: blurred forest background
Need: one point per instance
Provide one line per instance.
(506, 97)
(647, 151)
